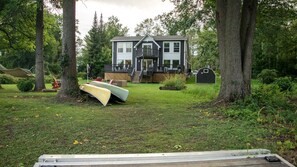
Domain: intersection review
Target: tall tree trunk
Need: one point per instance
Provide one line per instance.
(248, 26)
(235, 26)
(69, 82)
(39, 64)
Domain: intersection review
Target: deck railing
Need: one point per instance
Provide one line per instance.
(118, 68)
(147, 53)
(129, 69)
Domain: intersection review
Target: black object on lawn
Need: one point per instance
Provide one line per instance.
(205, 75)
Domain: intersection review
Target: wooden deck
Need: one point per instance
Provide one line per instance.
(156, 78)
(117, 76)
(233, 158)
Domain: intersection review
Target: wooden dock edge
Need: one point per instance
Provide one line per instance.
(49, 160)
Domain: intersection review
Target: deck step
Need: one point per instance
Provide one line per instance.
(136, 77)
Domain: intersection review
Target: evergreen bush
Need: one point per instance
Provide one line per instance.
(25, 85)
(267, 76)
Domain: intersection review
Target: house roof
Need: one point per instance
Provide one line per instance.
(149, 38)
(156, 38)
(129, 38)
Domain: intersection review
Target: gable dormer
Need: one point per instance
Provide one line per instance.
(147, 39)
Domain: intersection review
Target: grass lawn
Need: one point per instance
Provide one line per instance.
(32, 124)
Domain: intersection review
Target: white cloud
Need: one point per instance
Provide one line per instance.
(129, 12)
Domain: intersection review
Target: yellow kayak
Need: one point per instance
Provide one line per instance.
(102, 94)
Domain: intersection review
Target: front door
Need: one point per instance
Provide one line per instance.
(146, 64)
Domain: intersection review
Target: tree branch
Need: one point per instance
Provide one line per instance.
(29, 36)
(8, 36)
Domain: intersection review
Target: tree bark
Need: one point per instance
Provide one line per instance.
(248, 26)
(235, 26)
(39, 64)
(69, 82)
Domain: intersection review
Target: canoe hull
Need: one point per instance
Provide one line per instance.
(102, 94)
(119, 92)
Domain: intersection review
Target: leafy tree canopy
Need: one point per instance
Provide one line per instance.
(275, 35)
(97, 50)
(17, 34)
(149, 27)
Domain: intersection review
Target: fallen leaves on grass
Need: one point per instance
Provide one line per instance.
(178, 147)
(76, 142)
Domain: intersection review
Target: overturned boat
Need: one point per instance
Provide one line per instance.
(102, 94)
(120, 93)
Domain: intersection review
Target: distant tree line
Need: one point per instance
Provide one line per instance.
(275, 35)
(96, 50)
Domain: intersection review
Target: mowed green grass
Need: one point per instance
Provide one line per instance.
(32, 124)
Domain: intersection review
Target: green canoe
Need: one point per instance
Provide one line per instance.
(119, 92)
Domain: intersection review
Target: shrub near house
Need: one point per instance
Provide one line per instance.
(176, 82)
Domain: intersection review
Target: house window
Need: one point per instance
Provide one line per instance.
(166, 47)
(128, 47)
(120, 62)
(175, 63)
(176, 47)
(120, 47)
(167, 63)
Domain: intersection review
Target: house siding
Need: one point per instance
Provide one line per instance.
(160, 43)
(134, 55)
(115, 46)
(182, 50)
(139, 46)
(155, 47)
(138, 65)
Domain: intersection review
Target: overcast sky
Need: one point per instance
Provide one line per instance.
(129, 12)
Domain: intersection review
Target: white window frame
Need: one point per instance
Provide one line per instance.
(171, 47)
(169, 63)
(128, 46)
(171, 55)
(178, 47)
(124, 55)
(125, 46)
(177, 64)
(125, 66)
(166, 47)
(120, 45)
